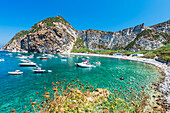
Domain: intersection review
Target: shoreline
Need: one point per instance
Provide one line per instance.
(163, 86)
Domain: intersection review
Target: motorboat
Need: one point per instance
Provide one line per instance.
(63, 57)
(17, 72)
(32, 64)
(43, 58)
(31, 56)
(25, 60)
(85, 64)
(39, 70)
(2, 60)
(23, 57)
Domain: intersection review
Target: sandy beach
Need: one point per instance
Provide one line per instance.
(163, 87)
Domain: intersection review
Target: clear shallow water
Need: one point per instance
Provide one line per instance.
(16, 91)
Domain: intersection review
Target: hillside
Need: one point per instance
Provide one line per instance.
(51, 35)
(55, 34)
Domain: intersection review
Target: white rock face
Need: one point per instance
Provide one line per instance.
(60, 37)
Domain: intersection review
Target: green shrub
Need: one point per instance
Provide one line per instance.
(150, 55)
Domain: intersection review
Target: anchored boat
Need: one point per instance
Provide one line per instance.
(43, 58)
(85, 64)
(17, 72)
(32, 64)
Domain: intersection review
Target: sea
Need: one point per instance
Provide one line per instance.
(17, 90)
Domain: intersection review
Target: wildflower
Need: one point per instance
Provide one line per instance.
(25, 107)
(33, 102)
(73, 80)
(61, 89)
(65, 80)
(115, 81)
(57, 83)
(44, 88)
(147, 97)
(30, 99)
(32, 106)
(62, 82)
(142, 87)
(75, 85)
(55, 89)
(128, 82)
(53, 83)
(47, 93)
(13, 110)
(55, 74)
(87, 87)
(122, 111)
(87, 82)
(47, 96)
(120, 87)
(36, 92)
(70, 84)
(77, 80)
(75, 105)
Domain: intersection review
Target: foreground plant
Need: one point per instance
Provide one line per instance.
(78, 97)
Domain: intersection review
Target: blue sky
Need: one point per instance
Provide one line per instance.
(106, 15)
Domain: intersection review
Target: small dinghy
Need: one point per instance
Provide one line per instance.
(17, 72)
(122, 78)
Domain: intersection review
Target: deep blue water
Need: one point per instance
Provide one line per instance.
(16, 91)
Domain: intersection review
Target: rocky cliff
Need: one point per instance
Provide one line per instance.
(51, 35)
(55, 34)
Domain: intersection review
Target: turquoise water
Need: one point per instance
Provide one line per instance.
(16, 91)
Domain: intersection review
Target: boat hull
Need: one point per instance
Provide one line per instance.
(27, 65)
(15, 73)
(84, 66)
(42, 71)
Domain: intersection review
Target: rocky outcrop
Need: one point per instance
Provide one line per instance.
(95, 39)
(51, 35)
(55, 34)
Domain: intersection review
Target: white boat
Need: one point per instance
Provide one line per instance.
(39, 70)
(28, 64)
(25, 60)
(85, 64)
(2, 60)
(23, 57)
(17, 72)
(31, 56)
(63, 57)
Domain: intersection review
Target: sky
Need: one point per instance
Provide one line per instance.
(105, 15)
